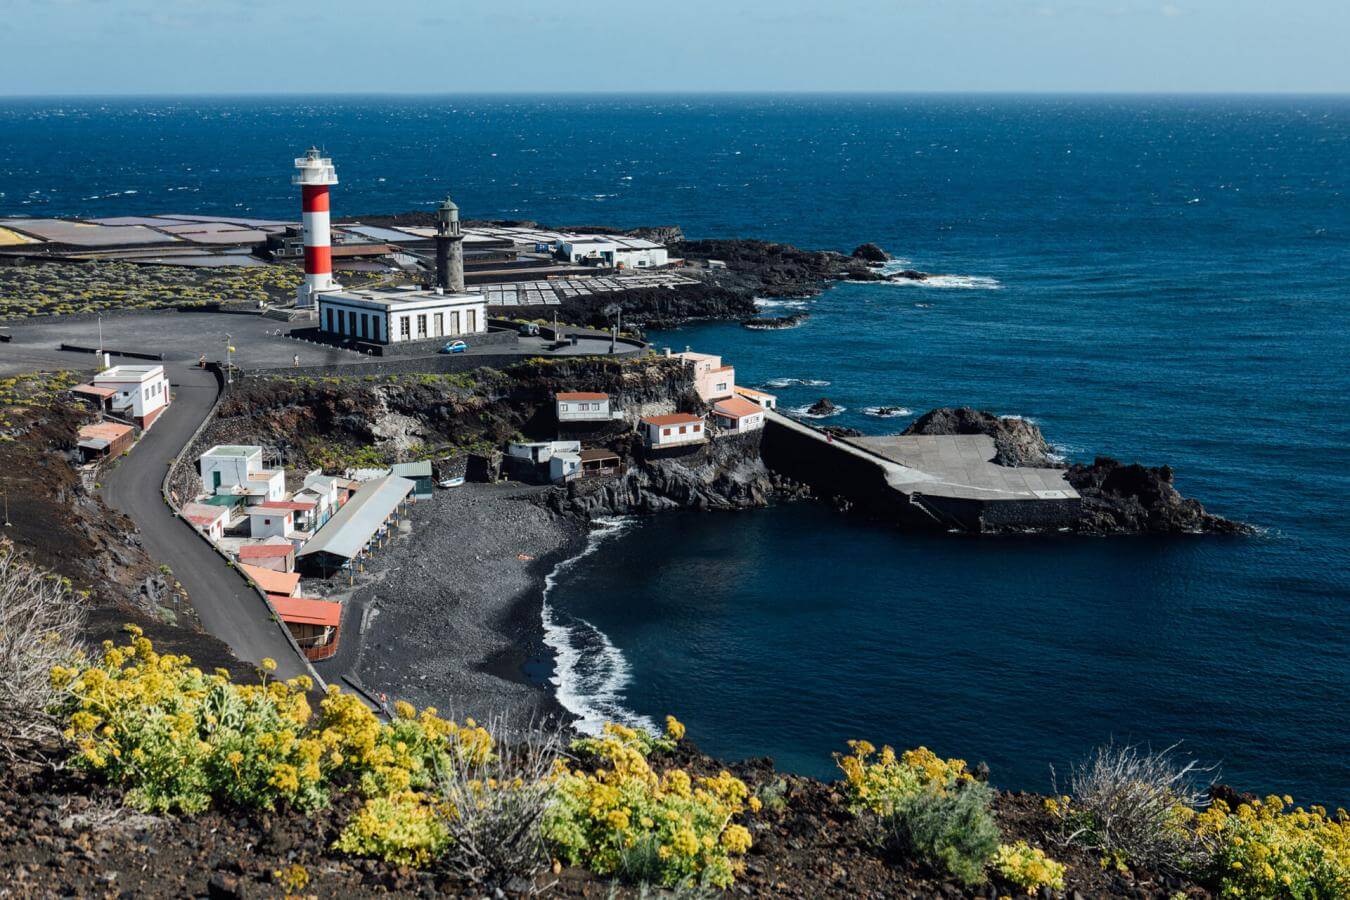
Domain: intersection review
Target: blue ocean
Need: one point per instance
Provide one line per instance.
(1158, 279)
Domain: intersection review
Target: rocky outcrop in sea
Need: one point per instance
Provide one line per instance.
(1117, 498)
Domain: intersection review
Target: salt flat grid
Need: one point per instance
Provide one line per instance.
(554, 291)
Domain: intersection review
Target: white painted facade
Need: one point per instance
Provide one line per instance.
(540, 452)
(738, 415)
(760, 398)
(585, 406)
(238, 469)
(564, 465)
(209, 520)
(398, 315)
(140, 392)
(263, 523)
(613, 251)
(673, 430)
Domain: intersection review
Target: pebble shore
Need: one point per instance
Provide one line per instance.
(453, 611)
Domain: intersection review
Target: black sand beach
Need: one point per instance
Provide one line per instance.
(452, 611)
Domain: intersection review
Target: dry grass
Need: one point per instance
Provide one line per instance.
(41, 618)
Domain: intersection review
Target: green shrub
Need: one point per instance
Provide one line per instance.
(952, 831)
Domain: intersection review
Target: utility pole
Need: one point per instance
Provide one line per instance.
(8, 523)
(100, 341)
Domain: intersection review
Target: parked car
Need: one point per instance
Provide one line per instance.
(455, 347)
(528, 329)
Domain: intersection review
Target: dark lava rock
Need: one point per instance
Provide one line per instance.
(822, 407)
(775, 323)
(841, 431)
(870, 253)
(1131, 498)
(910, 275)
(1017, 441)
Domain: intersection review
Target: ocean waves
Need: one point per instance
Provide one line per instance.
(590, 673)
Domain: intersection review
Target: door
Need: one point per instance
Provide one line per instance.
(215, 480)
(438, 325)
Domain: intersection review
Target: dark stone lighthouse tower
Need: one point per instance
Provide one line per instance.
(449, 249)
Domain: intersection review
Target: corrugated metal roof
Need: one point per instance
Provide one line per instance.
(360, 517)
(420, 469)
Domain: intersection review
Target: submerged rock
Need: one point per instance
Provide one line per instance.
(1017, 442)
(909, 275)
(775, 323)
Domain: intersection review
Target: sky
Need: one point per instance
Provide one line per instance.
(84, 47)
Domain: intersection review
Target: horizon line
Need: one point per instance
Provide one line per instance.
(207, 95)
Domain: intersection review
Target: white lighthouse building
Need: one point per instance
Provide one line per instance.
(315, 174)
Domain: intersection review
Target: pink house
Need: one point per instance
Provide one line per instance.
(712, 380)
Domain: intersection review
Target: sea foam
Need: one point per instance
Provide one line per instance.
(591, 673)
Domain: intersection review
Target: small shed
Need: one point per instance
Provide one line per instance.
(419, 473)
(286, 584)
(313, 623)
(277, 554)
(105, 440)
(599, 461)
(209, 520)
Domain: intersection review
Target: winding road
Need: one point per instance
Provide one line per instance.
(227, 605)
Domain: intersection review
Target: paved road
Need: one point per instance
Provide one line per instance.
(228, 607)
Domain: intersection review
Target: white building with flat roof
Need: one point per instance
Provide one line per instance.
(138, 392)
(398, 315)
(615, 251)
(238, 469)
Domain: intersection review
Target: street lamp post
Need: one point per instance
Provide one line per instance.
(229, 360)
(8, 523)
(100, 339)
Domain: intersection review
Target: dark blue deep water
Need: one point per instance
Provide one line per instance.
(1158, 279)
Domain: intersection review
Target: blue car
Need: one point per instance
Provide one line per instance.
(455, 347)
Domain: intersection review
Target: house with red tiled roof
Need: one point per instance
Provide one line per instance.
(738, 415)
(673, 430)
(209, 520)
(585, 406)
(275, 553)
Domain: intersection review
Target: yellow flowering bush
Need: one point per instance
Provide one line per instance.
(639, 739)
(1028, 867)
(1263, 850)
(405, 754)
(407, 828)
(625, 818)
(881, 781)
(178, 738)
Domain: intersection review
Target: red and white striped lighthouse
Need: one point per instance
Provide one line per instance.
(315, 174)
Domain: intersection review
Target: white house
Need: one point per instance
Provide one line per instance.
(738, 415)
(585, 406)
(759, 398)
(238, 469)
(540, 452)
(265, 520)
(138, 392)
(673, 430)
(612, 251)
(563, 465)
(398, 315)
(209, 520)
(712, 380)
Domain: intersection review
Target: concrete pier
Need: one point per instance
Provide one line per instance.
(930, 481)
